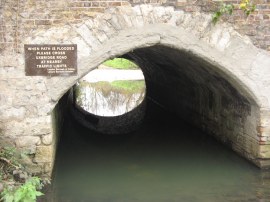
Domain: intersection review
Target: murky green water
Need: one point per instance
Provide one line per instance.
(165, 161)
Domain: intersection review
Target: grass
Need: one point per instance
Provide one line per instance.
(120, 63)
(130, 86)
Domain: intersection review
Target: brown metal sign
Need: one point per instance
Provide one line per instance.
(50, 60)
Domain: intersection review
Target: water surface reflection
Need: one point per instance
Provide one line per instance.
(165, 161)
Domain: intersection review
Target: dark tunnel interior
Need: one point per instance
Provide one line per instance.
(189, 105)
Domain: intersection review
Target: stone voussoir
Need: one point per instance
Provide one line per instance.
(146, 33)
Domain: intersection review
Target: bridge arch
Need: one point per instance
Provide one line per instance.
(210, 75)
(193, 74)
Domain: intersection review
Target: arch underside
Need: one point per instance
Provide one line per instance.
(195, 84)
(210, 76)
(191, 87)
(199, 93)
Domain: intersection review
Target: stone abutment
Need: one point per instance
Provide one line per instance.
(211, 76)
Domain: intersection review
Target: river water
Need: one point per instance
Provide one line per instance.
(166, 160)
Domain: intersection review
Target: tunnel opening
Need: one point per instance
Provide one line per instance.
(110, 99)
(190, 89)
(116, 87)
(196, 91)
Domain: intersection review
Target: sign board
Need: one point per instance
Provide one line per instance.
(50, 60)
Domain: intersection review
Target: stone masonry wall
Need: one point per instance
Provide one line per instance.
(202, 97)
(27, 102)
(19, 17)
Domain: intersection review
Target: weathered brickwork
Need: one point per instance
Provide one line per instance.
(236, 110)
(20, 17)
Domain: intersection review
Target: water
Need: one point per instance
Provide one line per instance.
(166, 160)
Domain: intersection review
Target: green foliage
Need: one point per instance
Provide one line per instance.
(27, 192)
(120, 63)
(246, 6)
(10, 154)
(7, 152)
(224, 9)
(130, 86)
(14, 190)
(123, 87)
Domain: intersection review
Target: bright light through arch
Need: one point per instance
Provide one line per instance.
(116, 87)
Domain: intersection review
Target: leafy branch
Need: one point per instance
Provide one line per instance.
(26, 192)
(16, 184)
(224, 9)
(246, 6)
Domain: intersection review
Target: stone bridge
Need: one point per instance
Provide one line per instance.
(210, 75)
